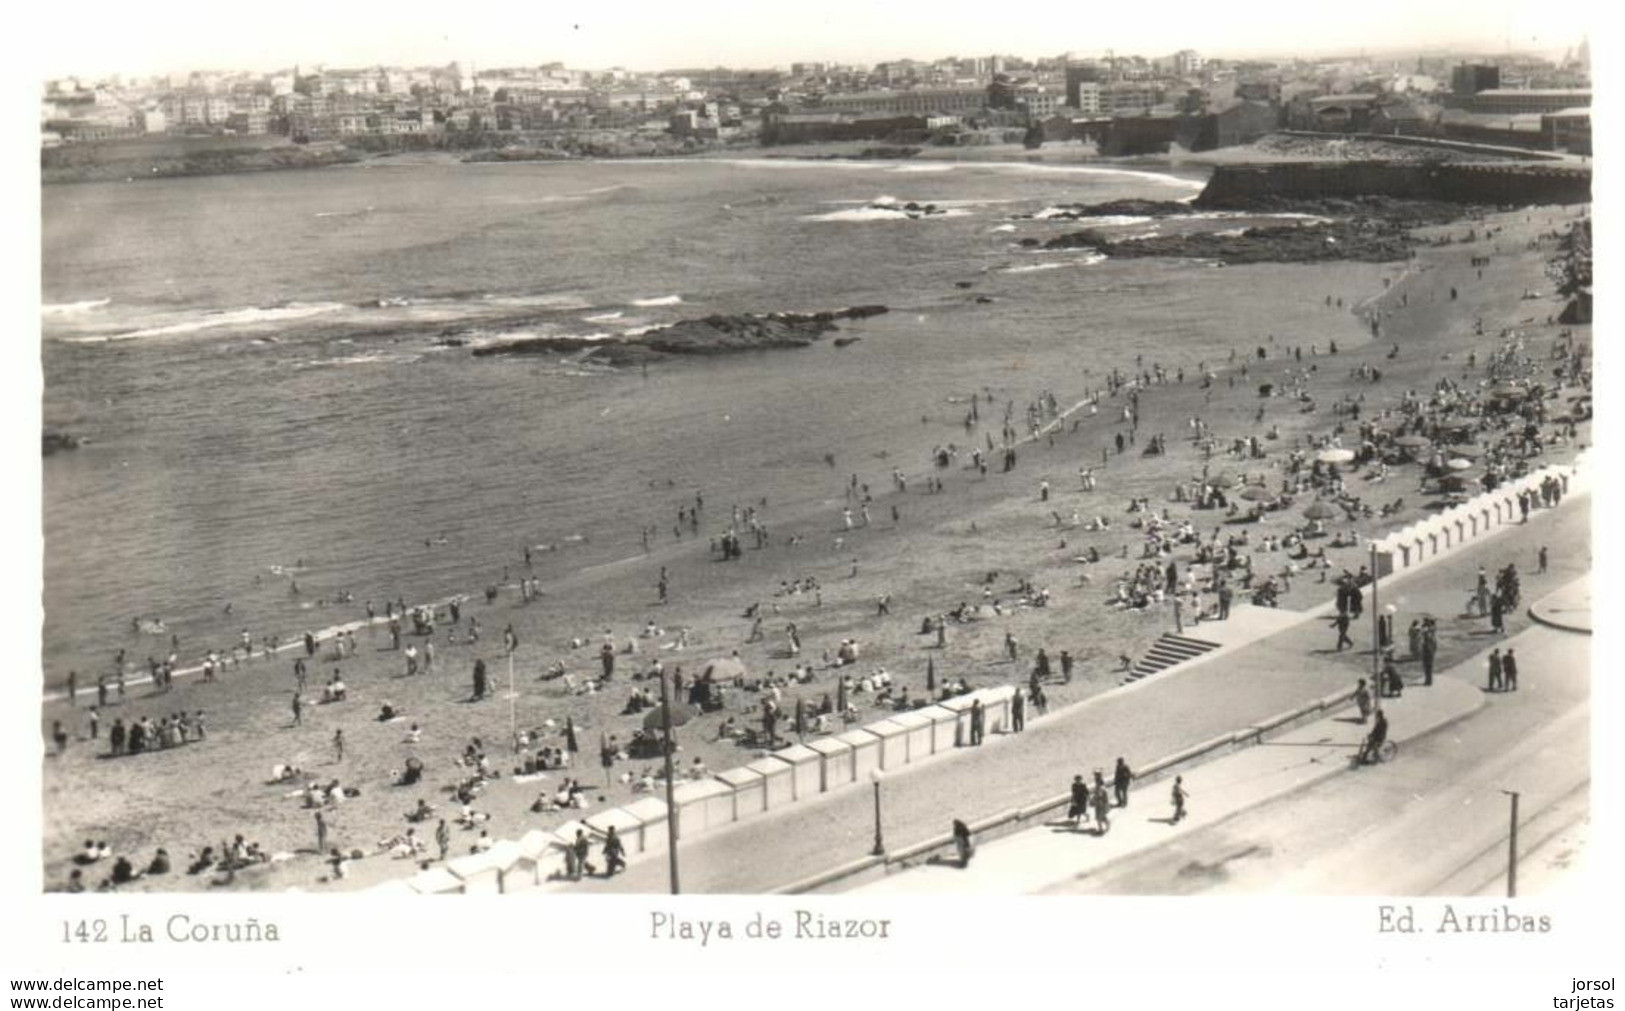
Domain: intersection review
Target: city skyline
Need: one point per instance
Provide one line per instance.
(650, 38)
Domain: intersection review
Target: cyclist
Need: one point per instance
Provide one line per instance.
(1374, 740)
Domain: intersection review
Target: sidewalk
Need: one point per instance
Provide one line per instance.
(1055, 852)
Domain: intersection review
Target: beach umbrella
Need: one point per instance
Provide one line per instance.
(1459, 464)
(930, 674)
(1258, 494)
(1320, 511)
(1335, 455)
(655, 719)
(725, 669)
(570, 735)
(1412, 442)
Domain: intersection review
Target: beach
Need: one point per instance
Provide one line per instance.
(982, 540)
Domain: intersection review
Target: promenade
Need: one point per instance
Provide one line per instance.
(1158, 717)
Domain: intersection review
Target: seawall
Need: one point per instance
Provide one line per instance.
(1247, 186)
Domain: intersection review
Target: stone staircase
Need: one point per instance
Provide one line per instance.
(1167, 651)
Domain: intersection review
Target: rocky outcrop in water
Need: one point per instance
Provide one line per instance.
(1366, 241)
(53, 442)
(707, 335)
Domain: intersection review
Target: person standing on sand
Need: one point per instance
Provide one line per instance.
(1541, 560)
(298, 709)
(73, 688)
(338, 745)
(321, 833)
(442, 838)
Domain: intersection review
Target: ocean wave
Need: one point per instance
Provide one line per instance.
(878, 212)
(227, 318)
(1101, 220)
(72, 308)
(1002, 228)
(1088, 258)
(603, 317)
(658, 300)
(344, 214)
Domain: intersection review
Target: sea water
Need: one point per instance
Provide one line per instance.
(262, 369)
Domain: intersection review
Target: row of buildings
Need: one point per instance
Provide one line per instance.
(1182, 98)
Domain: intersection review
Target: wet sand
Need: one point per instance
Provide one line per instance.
(938, 555)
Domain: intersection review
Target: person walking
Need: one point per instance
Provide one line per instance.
(73, 688)
(614, 853)
(1102, 804)
(1430, 650)
(1080, 800)
(298, 710)
(1178, 795)
(1362, 699)
(338, 745)
(1122, 776)
(1341, 623)
(1066, 667)
(321, 833)
(582, 849)
(1541, 560)
(1018, 712)
(1498, 614)
(1495, 670)
(442, 838)
(962, 843)
(977, 719)
(1509, 671)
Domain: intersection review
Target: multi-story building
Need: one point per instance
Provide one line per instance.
(1187, 63)
(1128, 98)
(1471, 78)
(1533, 101)
(916, 101)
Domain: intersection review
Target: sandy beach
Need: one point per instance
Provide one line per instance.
(978, 541)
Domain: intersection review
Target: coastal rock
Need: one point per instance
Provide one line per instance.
(708, 335)
(53, 442)
(1364, 241)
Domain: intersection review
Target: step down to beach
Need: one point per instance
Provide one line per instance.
(1167, 651)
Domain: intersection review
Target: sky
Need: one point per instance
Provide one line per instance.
(100, 37)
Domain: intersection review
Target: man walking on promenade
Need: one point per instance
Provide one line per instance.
(1018, 712)
(1342, 624)
(977, 718)
(1542, 560)
(1121, 778)
(1179, 796)
(1509, 671)
(1495, 670)
(614, 853)
(1430, 650)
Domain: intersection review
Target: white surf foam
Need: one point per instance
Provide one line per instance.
(233, 317)
(659, 300)
(72, 308)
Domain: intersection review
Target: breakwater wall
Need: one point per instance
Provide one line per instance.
(1247, 186)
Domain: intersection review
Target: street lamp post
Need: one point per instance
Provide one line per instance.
(880, 844)
(671, 808)
(1376, 636)
(1512, 848)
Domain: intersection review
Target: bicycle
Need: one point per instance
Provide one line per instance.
(1386, 752)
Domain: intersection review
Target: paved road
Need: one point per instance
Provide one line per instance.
(1169, 712)
(1433, 822)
